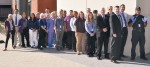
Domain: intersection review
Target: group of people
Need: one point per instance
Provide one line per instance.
(79, 32)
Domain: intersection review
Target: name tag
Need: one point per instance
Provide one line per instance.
(60, 26)
(92, 30)
(139, 25)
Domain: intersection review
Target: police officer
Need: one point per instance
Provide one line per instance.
(138, 22)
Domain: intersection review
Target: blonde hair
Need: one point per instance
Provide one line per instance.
(41, 15)
(88, 20)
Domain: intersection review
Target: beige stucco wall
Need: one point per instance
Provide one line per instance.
(81, 5)
(144, 4)
(5, 2)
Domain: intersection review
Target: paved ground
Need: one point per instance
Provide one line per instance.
(27, 57)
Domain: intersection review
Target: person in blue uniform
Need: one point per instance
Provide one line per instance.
(138, 22)
(50, 28)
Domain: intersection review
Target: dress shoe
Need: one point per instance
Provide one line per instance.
(99, 58)
(5, 50)
(57, 48)
(114, 61)
(74, 51)
(120, 59)
(69, 49)
(132, 59)
(28, 46)
(23, 46)
(91, 55)
(40, 48)
(14, 47)
(144, 58)
(78, 53)
(107, 57)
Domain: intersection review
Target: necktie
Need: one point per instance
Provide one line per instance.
(120, 20)
(16, 20)
(124, 19)
(104, 19)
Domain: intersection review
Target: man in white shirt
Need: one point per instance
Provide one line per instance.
(16, 17)
(73, 29)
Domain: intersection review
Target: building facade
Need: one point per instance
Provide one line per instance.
(34, 6)
(41, 5)
(5, 9)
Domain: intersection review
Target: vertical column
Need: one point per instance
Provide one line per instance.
(22, 5)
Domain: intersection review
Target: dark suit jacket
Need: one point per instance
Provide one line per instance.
(103, 24)
(7, 24)
(116, 25)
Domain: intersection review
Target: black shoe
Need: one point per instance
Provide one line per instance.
(132, 59)
(23, 46)
(144, 58)
(28, 46)
(124, 56)
(74, 51)
(5, 50)
(40, 48)
(69, 48)
(91, 55)
(107, 57)
(114, 61)
(120, 59)
(57, 48)
(14, 47)
(99, 58)
(44, 46)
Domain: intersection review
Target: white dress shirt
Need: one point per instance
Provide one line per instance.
(72, 21)
(126, 16)
(18, 18)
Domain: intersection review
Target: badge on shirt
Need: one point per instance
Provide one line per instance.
(139, 25)
(92, 29)
(60, 26)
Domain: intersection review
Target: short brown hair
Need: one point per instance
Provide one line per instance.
(75, 13)
(122, 5)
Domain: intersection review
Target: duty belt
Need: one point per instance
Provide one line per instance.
(138, 30)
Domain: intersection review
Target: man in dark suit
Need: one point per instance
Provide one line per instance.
(125, 20)
(116, 41)
(103, 38)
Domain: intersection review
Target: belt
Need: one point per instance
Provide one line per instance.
(138, 30)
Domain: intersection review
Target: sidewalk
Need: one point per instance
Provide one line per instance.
(27, 57)
(21, 57)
